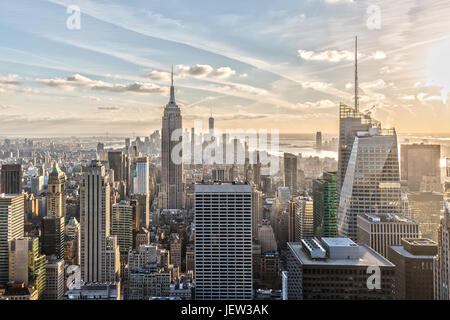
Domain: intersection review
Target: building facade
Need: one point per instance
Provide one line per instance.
(223, 241)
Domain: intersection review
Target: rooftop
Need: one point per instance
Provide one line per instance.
(367, 256)
(223, 187)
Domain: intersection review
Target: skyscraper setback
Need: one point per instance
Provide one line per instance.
(171, 172)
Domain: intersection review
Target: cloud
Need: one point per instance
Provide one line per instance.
(316, 85)
(204, 70)
(108, 108)
(10, 79)
(337, 56)
(159, 76)
(224, 72)
(76, 81)
(329, 55)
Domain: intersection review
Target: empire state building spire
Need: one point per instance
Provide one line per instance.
(172, 91)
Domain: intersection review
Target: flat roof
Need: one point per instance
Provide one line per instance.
(405, 253)
(222, 188)
(367, 257)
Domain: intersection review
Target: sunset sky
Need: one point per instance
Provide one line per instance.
(282, 64)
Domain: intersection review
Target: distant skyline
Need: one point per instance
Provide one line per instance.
(257, 64)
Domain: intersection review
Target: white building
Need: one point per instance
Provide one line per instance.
(223, 241)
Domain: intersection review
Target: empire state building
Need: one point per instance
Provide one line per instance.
(171, 193)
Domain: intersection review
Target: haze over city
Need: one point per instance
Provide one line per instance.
(255, 64)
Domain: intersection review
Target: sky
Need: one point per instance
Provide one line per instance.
(253, 64)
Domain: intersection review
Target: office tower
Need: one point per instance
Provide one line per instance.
(420, 164)
(218, 174)
(319, 140)
(95, 222)
(257, 172)
(256, 210)
(211, 125)
(304, 218)
(381, 232)
(290, 172)
(103, 291)
(372, 180)
(56, 193)
(11, 179)
(26, 264)
(284, 195)
(122, 226)
(426, 209)
(325, 198)
(12, 227)
(73, 242)
(312, 263)
(100, 151)
(175, 250)
(37, 185)
(54, 276)
(441, 264)
(223, 241)
(116, 161)
(53, 236)
(266, 237)
(112, 260)
(171, 172)
(291, 222)
(142, 176)
(143, 209)
(350, 123)
(413, 261)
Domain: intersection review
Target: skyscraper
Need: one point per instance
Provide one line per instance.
(95, 222)
(420, 165)
(290, 172)
(122, 226)
(11, 179)
(413, 261)
(53, 236)
(441, 263)
(335, 268)
(304, 218)
(381, 232)
(171, 172)
(325, 197)
(142, 176)
(372, 180)
(56, 193)
(350, 123)
(319, 140)
(116, 161)
(223, 241)
(11, 227)
(26, 264)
